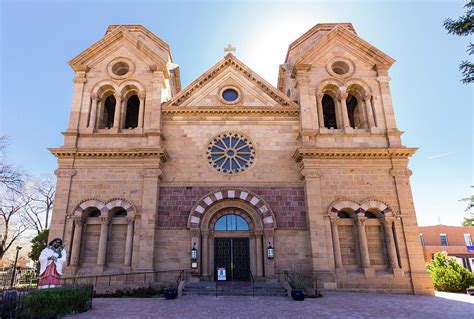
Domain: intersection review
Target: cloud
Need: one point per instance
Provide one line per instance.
(440, 155)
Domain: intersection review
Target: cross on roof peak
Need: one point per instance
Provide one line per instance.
(229, 48)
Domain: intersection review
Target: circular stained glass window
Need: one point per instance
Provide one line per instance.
(230, 153)
(230, 95)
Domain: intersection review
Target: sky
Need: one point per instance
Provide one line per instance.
(432, 106)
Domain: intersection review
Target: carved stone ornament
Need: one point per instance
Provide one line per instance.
(65, 172)
(151, 172)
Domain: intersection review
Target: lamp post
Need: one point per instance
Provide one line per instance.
(270, 251)
(18, 248)
(194, 263)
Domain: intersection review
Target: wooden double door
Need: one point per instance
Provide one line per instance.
(233, 255)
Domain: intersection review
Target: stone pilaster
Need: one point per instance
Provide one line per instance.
(422, 283)
(93, 118)
(76, 105)
(368, 111)
(259, 253)
(269, 263)
(319, 103)
(151, 189)
(141, 111)
(205, 254)
(307, 107)
(392, 250)
(153, 111)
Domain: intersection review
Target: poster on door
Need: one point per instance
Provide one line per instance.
(221, 273)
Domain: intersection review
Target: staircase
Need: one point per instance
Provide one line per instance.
(236, 288)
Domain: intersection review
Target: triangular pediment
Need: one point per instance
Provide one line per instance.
(205, 91)
(351, 42)
(135, 36)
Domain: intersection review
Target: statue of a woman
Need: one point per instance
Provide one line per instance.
(52, 259)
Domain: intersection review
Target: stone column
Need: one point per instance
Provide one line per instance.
(76, 243)
(319, 103)
(368, 109)
(363, 246)
(141, 111)
(259, 257)
(104, 233)
(335, 239)
(93, 117)
(253, 256)
(205, 254)
(118, 110)
(129, 242)
(392, 251)
(345, 116)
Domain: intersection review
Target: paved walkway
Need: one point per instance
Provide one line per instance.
(332, 305)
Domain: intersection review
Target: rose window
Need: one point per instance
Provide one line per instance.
(230, 153)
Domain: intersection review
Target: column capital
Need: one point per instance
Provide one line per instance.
(343, 96)
(141, 95)
(79, 79)
(334, 219)
(78, 220)
(258, 233)
(388, 220)
(104, 220)
(367, 97)
(118, 96)
(360, 219)
(319, 95)
(95, 97)
(130, 220)
(205, 234)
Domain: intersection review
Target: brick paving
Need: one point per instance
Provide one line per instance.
(332, 305)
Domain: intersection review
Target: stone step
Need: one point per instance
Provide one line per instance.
(234, 289)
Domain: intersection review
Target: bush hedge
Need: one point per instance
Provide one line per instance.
(56, 302)
(448, 275)
(141, 292)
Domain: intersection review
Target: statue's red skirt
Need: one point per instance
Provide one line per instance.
(49, 276)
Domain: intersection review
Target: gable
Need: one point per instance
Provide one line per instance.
(157, 53)
(350, 42)
(255, 92)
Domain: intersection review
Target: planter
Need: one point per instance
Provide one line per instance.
(470, 291)
(298, 295)
(170, 293)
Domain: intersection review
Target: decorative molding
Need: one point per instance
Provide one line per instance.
(110, 153)
(343, 153)
(383, 210)
(232, 111)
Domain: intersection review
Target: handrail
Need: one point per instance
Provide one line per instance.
(253, 284)
(109, 276)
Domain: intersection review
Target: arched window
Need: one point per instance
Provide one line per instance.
(351, 103)
(131, 115)
(342, 214)
(92, 212)
(370, 215)
(231, 222)
(329, 112)
(118, 212)
(107, 118)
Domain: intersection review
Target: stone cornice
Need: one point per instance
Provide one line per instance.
(343, 153)
(110, 153)
(231, 60)
(232, 111)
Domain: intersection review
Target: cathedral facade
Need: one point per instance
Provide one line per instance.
(309, 176)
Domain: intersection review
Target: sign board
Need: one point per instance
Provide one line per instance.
(470, 249)
(221, 273)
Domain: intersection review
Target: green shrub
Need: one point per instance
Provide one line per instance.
(448, 275)
(141, 292)
(56, 302)
(298, 281)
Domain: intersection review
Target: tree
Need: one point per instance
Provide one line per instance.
(469, 221)
(38, 243)
(448, 275)
(464, 26)
(40, 202)
(12, 225)
(11, 178)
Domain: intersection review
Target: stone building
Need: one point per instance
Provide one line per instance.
(231, 165)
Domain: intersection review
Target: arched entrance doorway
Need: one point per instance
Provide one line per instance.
(244, 236)
(231, 246)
